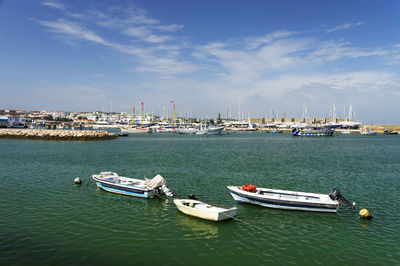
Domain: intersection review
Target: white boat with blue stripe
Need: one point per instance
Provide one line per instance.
(288, 200)
(313, 131)
(147, 188)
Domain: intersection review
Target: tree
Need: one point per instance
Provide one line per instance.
(219, 120)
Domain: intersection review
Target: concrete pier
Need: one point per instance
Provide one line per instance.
(43, 134)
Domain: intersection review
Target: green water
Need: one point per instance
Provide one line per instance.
(47, 220)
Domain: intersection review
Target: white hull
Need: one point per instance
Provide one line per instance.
(285, 199)
(114, 183)
(136, 130)
(187, 130)
(211, 131)
(203, 210)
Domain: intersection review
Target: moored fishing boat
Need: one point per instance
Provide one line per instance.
(289, 200)
(147, 188)
(367, 132)
(205, 211)
(389, 132)
(313, 131)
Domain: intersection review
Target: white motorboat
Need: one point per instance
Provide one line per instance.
(210, 130)
(136, 130)
(205, 211)
(147, 188)
(187, 130)
(367, 132)
(289, 200)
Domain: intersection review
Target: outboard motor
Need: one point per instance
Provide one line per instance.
(192, 196)
(335, 194)
(167, 191)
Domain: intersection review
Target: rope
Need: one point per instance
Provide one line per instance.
(283, 237)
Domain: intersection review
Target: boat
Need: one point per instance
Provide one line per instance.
(289, 200)
(210, 130)
(187, 130)
(367, 132)
(166, 129)
(273, 130)
(249, 127)
(136, 130)
(204, 210)
(313, 131)
(147, 188)
(389, 132)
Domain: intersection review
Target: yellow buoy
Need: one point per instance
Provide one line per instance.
(364, 213)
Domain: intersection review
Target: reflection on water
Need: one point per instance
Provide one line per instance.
(200, 229)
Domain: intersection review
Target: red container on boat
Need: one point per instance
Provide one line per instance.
(249, 188)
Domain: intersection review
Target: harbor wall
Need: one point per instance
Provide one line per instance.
(43, 134)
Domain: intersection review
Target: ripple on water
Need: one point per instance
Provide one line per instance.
(52, 221)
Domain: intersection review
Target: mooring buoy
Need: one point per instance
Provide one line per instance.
(365, 214)
(78, 181)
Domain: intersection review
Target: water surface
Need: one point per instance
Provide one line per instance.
(46, 219)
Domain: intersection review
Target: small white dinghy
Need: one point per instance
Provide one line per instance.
(203, 210)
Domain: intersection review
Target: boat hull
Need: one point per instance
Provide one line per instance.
(211, 131)
(187, 130)
(313, 132)
(136, 130)
(205, 211)
(140, 191)
(288, 200)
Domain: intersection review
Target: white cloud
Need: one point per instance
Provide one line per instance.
(72, 30)
(171, 28)
(145, 34)
(254, 42)
(344, 27)
(54, 4)
(165, 66)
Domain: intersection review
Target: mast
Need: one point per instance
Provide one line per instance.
(142, 113)
(333, 113)
(240, 99)
(133, 115)
(173, 102)
(305, 114)
(350, 113)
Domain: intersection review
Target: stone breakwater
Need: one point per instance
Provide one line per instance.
(43, 134)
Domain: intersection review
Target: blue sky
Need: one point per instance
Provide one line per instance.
(207, 56)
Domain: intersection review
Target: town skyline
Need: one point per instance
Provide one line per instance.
(210, 57)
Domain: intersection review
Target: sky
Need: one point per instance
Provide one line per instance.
(252, 58)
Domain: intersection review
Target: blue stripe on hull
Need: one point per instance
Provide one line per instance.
(275, 205)
(123, 192)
